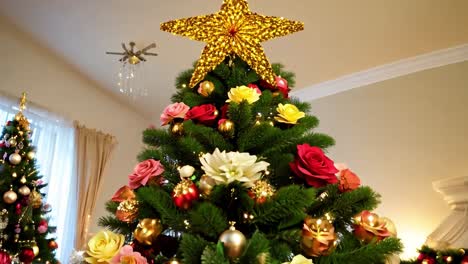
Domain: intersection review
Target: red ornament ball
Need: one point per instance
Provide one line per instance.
(53, 245)
(26, 255)
(184, 194)
(5, 257)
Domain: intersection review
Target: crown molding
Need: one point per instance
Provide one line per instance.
(385, 72)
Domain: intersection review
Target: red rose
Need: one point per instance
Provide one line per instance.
(205, 114)
(313, 166)
(224, 111)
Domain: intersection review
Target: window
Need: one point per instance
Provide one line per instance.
(54, 139)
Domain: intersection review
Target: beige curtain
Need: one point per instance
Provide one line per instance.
(93, 154)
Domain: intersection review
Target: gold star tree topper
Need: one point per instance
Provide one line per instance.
(233, 30)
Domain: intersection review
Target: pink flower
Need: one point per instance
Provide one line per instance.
(144, 172)
(127, 255)
(173, 111)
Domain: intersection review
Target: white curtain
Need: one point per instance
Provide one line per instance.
(54, 139)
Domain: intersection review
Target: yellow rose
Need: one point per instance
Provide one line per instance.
(299, 259)
(103, 246)
(288, 114)
(241, 93)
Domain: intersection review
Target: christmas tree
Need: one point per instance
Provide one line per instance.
(237, 174)
(24, 229)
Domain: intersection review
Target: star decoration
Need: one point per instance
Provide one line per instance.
(234, 30)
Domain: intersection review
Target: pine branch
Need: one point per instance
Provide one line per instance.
(191, 248)
(258, 245)
(162, 202)
(115, 225)
(208, 220)
(288, 201)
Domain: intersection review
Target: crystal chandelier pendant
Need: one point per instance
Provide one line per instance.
(129, 81)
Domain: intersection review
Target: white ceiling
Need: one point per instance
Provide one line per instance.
(341, 36)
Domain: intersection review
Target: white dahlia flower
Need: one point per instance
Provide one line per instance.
(226, 167)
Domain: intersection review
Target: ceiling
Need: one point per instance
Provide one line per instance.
(341, 36)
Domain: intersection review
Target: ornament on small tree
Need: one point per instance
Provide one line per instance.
(5, 257)
(184, 194)
(52, 244)
(15, 158)
(261, 191)
(10, 196)
(12, 142)
(369, 227)
(26, 255)
(318, 236)
(206, 88)
(147, 231)
(35, 199)
(31, 155)
(233, 241)
(24, 190)
(127, 210)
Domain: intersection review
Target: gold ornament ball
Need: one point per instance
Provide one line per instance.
(226, 127)
(24, 190)
(173, 261)
(15, 158)
(177, 128)
(35, 249)
(206, 88)
(31, 155)
(234, 242)
(147, 231)
(206, 184)
(10, 197)
(12, 142)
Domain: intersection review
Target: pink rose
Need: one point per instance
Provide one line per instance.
(127, 255)
(144, 172)
(173, 111)
(313, 166)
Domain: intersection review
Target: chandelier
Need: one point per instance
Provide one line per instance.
(129, 81)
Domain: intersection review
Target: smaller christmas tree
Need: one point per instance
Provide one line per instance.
(24, 228)
(429, 255)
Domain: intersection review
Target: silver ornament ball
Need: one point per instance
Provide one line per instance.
(234, 242)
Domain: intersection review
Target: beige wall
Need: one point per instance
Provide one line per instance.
(401, 135)
(49, 82)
